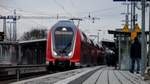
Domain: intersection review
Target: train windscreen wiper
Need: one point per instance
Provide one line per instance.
(69, 44)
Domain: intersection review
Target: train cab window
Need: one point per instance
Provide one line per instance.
(63, 38)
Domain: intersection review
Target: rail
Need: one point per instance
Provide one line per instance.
(18, 67)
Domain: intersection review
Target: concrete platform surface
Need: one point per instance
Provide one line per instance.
(91, 75)
(54, 78)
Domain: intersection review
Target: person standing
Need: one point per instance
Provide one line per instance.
(135, 55)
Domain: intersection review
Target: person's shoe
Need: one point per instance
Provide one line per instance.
(137, 72)
(131, 72)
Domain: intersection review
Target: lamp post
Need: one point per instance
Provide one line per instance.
(98, 36)
(10, 30)
(149, 38)
(143, 49)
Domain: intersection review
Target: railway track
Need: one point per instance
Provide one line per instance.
(5, 79)
(12, 78)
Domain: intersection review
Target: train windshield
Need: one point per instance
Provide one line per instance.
(63, 39)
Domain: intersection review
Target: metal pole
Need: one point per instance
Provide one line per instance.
(143, 40)
(18, 74)
(4, 29)
(19, 54)
(127, 23)
(149, 38)
(14, 27)
(131, 15)
(127, 15)
(119, 52)
(98, 38)
(10, 31)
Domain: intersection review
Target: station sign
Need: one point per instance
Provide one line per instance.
(137, 28)
(125, 28)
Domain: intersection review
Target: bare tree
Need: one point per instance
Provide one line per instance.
(34, 34)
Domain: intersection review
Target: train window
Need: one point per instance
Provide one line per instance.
(97, 46)
(84, 37)
(91, 42)
(63, 39)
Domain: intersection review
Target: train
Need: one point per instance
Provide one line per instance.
(68, 46)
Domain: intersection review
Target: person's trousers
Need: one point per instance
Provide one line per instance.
(133, 60)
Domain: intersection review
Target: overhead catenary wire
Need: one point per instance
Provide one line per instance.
(56, 2)
(24, 17)
(45, 17)
(72, 4)
(10, 9)
(97, 11)
(67, 12)
(61, 6)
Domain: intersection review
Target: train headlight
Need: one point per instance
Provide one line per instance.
(47, 62)
(64, 29)
(70, 54)
(54, 53)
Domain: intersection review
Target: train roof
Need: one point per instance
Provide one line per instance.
(85, 38)
(65, 23)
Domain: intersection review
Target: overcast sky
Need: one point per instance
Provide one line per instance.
(107, 10)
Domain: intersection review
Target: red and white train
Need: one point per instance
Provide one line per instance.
(67, 45)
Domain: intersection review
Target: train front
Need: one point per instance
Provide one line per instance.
(61, 43)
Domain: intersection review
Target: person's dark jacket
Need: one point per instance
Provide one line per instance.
(136, 50)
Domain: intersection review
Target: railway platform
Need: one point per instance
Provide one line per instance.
(90, 75)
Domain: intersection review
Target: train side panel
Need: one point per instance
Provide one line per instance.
(76, 56)
(49, 56)
(85, 54)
